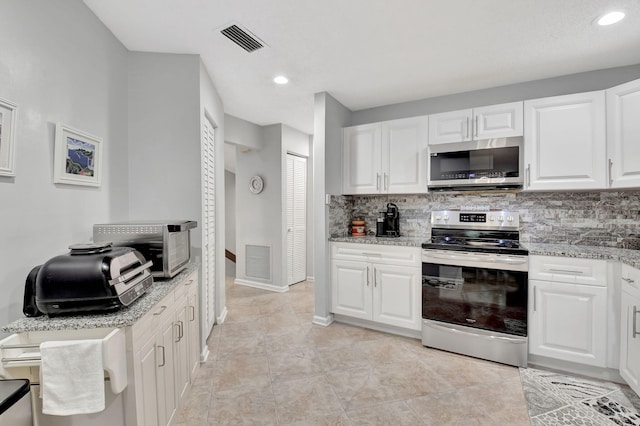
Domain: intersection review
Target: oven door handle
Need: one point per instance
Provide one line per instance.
(509, 261)
(516, 340)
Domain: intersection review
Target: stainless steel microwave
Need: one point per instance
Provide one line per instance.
(486, 164)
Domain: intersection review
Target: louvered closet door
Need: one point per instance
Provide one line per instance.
(208, 227)
(296, 219)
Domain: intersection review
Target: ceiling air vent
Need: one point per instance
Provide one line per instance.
(242, 38)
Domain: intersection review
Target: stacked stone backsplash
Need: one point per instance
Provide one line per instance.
(604, 218)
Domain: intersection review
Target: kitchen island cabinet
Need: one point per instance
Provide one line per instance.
(380, 284)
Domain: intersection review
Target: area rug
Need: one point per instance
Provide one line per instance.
(556, 399)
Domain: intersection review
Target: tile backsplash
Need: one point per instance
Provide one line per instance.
(604, 218)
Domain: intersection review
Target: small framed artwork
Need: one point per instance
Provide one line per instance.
(8, 113)
(77, 157)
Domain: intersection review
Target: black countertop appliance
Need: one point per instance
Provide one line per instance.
(389, 226)
(90, 278)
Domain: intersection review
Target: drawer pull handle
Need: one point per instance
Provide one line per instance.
(162, 309)
(163, 358)
(371, 254)
(375, 283)
(188, 282)
(629, 280)
(635, 323)
(566, 271)
(367, 276)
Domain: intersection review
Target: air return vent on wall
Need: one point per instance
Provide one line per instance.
(242, 38)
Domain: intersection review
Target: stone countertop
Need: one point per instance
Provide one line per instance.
(126, 316)
(626, 256)
(385, 241)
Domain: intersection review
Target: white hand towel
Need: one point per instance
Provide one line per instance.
(72, 377)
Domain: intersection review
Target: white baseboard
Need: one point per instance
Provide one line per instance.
(391, 329)
(220, 319)
(323, 321)
(262, 286)
(311, 279)
(205, 354)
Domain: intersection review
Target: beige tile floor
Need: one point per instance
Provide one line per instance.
(269, 365)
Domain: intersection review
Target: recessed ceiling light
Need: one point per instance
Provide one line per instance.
(281, 79)
(610, 18)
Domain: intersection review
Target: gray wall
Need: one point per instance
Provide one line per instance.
(576, 83)
(164, 137)
(59, 64)
(241, 132)
(329, 118)
(259, 215)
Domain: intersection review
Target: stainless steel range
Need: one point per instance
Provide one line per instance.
(474, 285)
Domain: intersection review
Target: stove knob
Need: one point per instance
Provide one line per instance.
(501, 218)
(446, 218)
(510, 219)
(492, 218)
(438, 217)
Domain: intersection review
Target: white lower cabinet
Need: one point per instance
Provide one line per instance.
(630, 327)
(164, 346)
(377, 283)
(568, 309)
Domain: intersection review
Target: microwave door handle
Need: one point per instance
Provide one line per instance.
(130, 274)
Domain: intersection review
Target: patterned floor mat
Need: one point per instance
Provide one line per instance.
(556, 399)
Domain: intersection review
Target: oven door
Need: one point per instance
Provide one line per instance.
(479, 290)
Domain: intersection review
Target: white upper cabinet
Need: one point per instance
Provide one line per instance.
(494, 121)
(623, 135)
(404, 155)
(454, 126)
(361, 163)
(386, 158)
(565, 145)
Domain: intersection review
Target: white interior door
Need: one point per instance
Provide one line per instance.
(208, 229)
(296, 219)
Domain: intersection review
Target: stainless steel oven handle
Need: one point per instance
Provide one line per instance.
(455, 330)
(479, 258)
(566, 271)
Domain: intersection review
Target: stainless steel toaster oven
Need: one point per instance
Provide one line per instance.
(166, 243)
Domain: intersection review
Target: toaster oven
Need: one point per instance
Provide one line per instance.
(166, 243)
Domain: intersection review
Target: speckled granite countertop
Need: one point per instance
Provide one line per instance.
(399, 241)
(124, 317)
(629, 257)
(626, 256)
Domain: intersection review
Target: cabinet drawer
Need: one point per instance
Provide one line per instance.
(568, 270)
(148, 324)
(390, 255)
(630, 279)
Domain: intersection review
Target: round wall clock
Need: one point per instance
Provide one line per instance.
(256, 184)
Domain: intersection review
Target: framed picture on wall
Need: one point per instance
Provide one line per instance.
(77, 157)
(8, 113)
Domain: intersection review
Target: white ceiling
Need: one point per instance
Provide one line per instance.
(368, 53)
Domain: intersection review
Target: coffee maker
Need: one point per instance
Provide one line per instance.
(388, 223)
